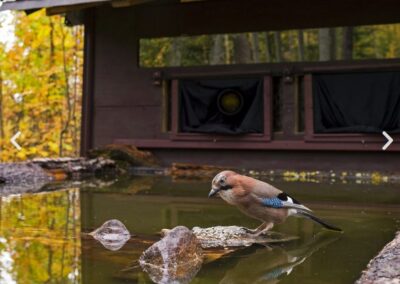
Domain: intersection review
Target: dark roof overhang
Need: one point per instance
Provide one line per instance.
(38, 4)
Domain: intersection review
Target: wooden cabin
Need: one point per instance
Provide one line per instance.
(297, 114)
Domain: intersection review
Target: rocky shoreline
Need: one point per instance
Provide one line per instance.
(385, 267)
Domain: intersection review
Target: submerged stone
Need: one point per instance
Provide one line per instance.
(112, 234)
(176, 258)
(234, 236)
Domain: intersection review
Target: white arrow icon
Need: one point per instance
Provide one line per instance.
(15, 138)
(390, 140)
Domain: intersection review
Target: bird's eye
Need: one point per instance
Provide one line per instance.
(222, 181)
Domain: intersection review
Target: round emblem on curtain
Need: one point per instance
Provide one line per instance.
(230, 102)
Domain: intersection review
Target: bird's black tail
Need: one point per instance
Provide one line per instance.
(319, 221)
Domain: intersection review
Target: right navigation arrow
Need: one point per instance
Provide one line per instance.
(390, 140)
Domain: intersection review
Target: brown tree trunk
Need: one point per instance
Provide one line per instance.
(51, 61)
(332, 32)
(217, 50)
(241, 49)
(255, 47)
(347, 46)
(267, 48)
(300, 50)
(278, 46)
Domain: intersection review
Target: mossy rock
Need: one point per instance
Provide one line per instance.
(186, 171)
(126, 155)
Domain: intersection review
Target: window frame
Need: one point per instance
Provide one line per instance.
(175, 134)
(309, 131)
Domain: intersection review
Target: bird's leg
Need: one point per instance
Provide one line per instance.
(256, 230)
(267, 227)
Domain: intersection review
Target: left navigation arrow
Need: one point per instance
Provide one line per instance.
(16, 145)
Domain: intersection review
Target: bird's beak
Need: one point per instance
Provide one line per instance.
(213, 192)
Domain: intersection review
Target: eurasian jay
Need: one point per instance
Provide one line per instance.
(260, 200)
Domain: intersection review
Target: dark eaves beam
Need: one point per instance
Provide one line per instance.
(38, 4)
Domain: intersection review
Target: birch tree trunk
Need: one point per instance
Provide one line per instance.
(67, 121)
(326, 40)
(217, 50)
(175, 54)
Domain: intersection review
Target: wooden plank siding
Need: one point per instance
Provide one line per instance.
(122, 105)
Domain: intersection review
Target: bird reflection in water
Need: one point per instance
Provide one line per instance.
(272, 264)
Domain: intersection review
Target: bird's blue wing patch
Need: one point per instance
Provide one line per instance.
(274, 202)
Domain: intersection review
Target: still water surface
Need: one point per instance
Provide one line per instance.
(43, 240)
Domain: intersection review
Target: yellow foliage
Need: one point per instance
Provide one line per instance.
(44, 65)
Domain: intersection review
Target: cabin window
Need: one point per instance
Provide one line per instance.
(307, 45)
(356, 102)
(221, 109)
(221, 106)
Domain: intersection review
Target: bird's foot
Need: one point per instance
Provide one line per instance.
(263, 229)
(250, 231)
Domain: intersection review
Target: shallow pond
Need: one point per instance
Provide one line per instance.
(43, 240)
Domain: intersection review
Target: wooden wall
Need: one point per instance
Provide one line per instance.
(126, 104)
(121, 103)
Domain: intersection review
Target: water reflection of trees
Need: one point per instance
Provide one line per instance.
(40, 238)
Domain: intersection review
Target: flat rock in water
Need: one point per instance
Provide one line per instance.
(234, 236)
(176, 258)
(112, 234)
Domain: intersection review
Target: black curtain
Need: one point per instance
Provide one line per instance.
(357, 102)
(199, 111)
